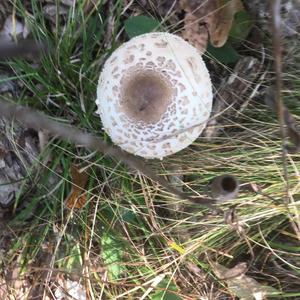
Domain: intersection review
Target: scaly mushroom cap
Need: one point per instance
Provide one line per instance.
(154, 95)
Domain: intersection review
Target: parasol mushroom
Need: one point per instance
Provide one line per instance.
(154, 95)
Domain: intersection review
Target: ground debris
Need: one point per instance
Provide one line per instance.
(290, 16)
(68, 288)
(208, 20)
(230, 97)
(18, 151)
(13, 286)
(195, 33)
(242, 286)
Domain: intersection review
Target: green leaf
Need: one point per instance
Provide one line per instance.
(138, 25)
(165, 294)
(129, 216)
(226, 54)
(241, 27)
(112, 255)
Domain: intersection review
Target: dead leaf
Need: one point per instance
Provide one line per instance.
(238, 270)
(77, 197)
(222, 20)
(242, 286)
(196, 35)
(211, 19)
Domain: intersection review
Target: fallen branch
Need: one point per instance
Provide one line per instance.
(24, 49)
(39, 121)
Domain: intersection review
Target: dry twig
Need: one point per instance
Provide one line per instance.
(23, 49)
(39, 121)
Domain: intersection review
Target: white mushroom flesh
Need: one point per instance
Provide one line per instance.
(154, 95)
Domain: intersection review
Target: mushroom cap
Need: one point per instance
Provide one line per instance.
(154, 95)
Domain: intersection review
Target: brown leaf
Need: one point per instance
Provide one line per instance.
(77, 197)
(222, 20)
(213, 16)
(196, 35)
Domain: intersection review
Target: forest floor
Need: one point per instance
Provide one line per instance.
(126, 237)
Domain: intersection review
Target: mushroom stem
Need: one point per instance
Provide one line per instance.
(224, 187)
(154, 95)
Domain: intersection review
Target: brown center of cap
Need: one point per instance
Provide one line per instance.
(146, 95)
